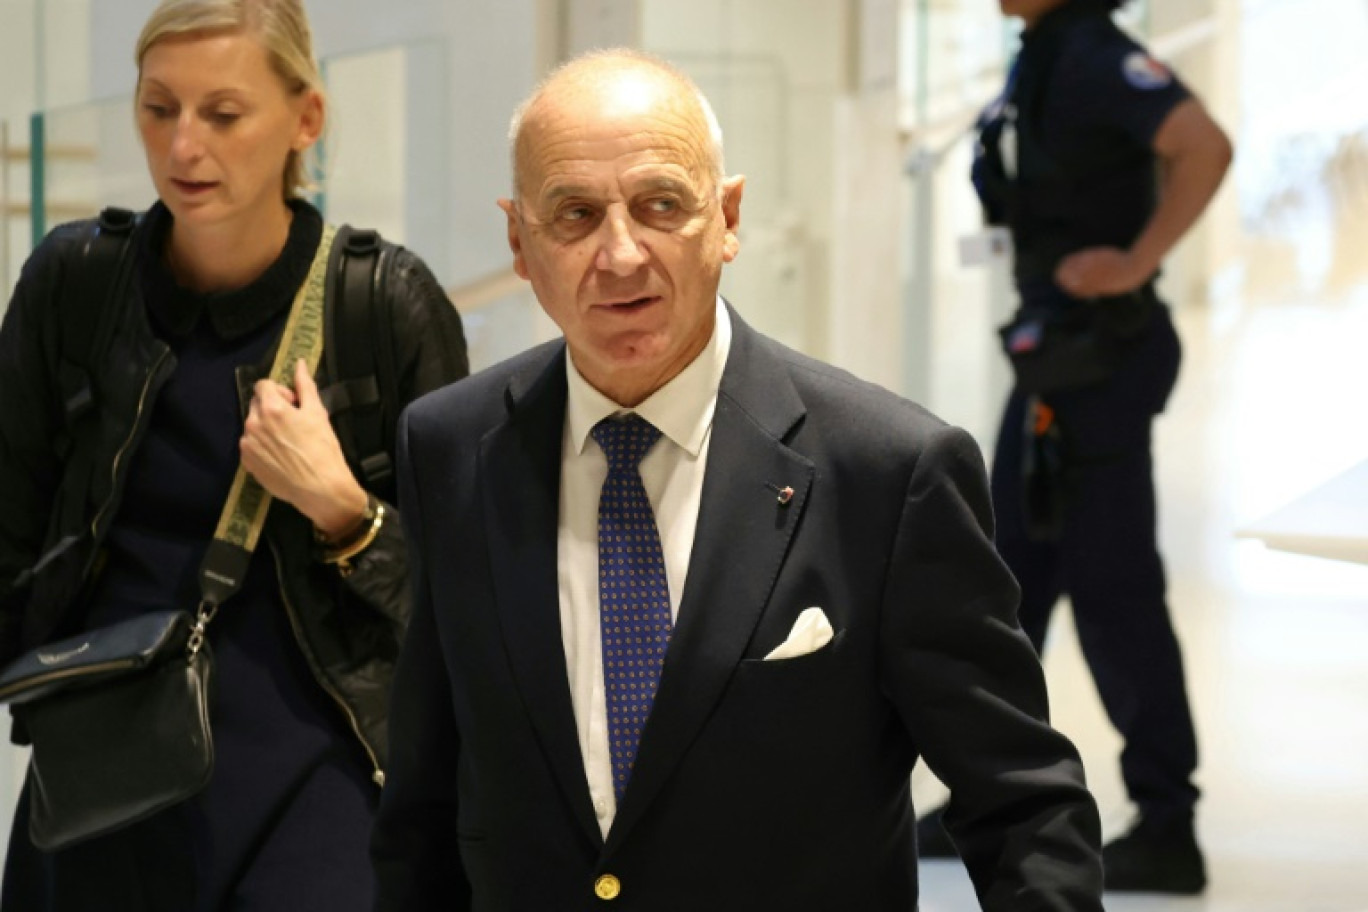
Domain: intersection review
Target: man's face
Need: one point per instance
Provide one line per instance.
(621, 228)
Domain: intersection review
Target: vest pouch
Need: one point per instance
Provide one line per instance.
(1053, 349)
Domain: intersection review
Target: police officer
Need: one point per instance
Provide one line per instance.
(1098, 160)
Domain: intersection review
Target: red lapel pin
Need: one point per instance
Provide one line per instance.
(782, 495)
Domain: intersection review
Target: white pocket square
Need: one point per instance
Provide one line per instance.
(810, 633)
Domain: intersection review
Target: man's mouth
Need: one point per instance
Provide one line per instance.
(633, 304)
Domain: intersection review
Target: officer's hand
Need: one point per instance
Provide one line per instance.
(288, 445)
(1099, 271)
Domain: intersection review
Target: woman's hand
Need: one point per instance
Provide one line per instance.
(1097, 272)
(288, 445)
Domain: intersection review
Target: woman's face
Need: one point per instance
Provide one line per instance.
(1029, 11)
(217, 125)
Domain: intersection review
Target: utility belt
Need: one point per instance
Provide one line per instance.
(1060, 346)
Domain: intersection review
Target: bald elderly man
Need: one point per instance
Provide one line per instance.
(689, 605)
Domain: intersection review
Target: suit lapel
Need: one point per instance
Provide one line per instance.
(520, 461)
(741, 539)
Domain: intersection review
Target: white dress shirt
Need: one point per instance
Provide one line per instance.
(672, 473)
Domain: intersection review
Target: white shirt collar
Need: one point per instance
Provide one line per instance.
(682, 409)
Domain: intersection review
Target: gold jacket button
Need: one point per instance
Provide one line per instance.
(607, 887)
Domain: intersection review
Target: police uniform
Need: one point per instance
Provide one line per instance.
(1066, 161)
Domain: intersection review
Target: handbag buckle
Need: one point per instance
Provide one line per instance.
(206, 613)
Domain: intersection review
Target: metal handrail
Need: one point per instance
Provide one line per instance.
(65, 153)
(494, 286)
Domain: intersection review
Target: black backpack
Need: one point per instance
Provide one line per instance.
(362, 397)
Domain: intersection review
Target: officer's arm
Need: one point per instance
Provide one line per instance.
(1195, 154)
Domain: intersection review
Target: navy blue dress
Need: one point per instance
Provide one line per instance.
(284, 823)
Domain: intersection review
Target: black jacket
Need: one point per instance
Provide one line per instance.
(757, 784)
(56, 510)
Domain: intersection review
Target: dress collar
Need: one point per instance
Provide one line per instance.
(235, 313)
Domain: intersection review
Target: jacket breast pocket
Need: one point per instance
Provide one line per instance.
(773, 708)
(810, 658)
(788, 690)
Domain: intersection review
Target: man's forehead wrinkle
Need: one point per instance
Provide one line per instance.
(667, 121)
(557, 188)
(559, 157)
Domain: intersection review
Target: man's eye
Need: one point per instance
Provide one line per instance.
(574, 214)
(662, 205)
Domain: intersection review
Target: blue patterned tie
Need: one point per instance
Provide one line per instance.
(634, 600)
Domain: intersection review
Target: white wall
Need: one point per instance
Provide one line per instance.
(1205, 36)
(806, 94)
(18, 60)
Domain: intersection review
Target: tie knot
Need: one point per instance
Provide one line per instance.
(624, 441)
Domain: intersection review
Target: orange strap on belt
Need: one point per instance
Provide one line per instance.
(1044, 418)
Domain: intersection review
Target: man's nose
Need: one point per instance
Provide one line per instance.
(620, 252)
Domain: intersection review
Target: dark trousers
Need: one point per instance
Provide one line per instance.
(1106, 559)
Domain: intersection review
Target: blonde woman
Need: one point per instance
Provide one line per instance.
(228, 104)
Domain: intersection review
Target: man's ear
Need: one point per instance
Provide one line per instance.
(514, 237)
(732, 188)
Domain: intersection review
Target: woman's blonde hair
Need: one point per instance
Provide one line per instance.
(281, 26)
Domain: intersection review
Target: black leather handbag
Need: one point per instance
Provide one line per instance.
(119, 719)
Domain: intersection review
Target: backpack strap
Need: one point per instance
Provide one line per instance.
(359, 347)
(86, 304)
(87, 312)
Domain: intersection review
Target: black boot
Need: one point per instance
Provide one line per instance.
(932, 840)
(1157, 855)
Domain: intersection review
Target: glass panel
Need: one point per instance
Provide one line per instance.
(91, 158)
(387, 161)
(14, 210)
(71, 161)
(384, 161)
(387, 164)
(504, 327)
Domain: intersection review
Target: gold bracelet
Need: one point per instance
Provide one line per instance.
(342, 554)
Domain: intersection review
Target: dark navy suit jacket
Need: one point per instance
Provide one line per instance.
(779, 785)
